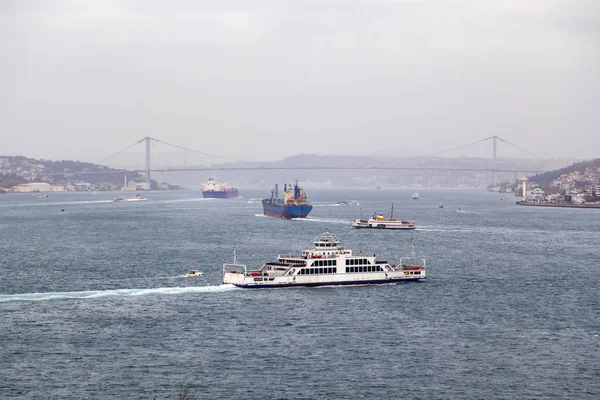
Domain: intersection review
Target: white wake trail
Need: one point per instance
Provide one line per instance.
(96, 294)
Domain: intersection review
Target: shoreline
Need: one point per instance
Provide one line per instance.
(524, 203)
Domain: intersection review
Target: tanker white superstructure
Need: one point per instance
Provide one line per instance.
(328, 263)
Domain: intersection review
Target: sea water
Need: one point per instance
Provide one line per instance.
(94, 304)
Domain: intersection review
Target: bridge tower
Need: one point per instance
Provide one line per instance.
(147, 139)
(494, 162)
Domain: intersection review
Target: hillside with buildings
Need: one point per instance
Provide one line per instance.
(577, 184)
(21, 174)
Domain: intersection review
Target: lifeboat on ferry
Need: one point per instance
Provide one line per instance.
(317, 256)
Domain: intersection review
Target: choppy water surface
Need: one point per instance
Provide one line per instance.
(93, 303)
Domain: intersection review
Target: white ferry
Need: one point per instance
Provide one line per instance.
(328, 263)
(348, 203)
(378, 221)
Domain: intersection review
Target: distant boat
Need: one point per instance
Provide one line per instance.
(349, 203)
(138, 197)
(194, 272)
(441, 205)
(415, 196)
(378, 221)
(378, 188)
(254, 200)
(216, 190)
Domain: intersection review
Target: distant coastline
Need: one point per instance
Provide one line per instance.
(526, 203)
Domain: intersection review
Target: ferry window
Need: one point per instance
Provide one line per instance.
(320, 270)
(417, 272)
(334, 270)
(347, 262)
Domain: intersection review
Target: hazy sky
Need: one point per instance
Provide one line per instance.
(266, 79)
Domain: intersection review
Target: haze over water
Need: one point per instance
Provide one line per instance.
(93, 303)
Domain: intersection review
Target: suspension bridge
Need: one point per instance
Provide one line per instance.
(149, 169)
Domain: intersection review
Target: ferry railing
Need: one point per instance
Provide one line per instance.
(234, 264)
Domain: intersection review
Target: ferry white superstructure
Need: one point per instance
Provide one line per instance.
(327, 263)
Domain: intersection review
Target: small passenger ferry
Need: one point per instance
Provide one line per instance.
(348, 203)
(378, 221)
(327, 263)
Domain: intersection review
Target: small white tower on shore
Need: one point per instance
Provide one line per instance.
(524, 181)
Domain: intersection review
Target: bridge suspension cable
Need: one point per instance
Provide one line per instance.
(513, 145)
(119, 152)
(196, 151)
(447, 150)
(478, 141)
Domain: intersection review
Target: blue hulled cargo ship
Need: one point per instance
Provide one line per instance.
(294, 204)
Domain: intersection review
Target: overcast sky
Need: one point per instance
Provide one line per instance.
(266, 79)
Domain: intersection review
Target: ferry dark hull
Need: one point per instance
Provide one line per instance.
(222, 194)
(347, 283)
(285, 211)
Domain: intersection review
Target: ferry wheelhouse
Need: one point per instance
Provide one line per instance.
(327, 263)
